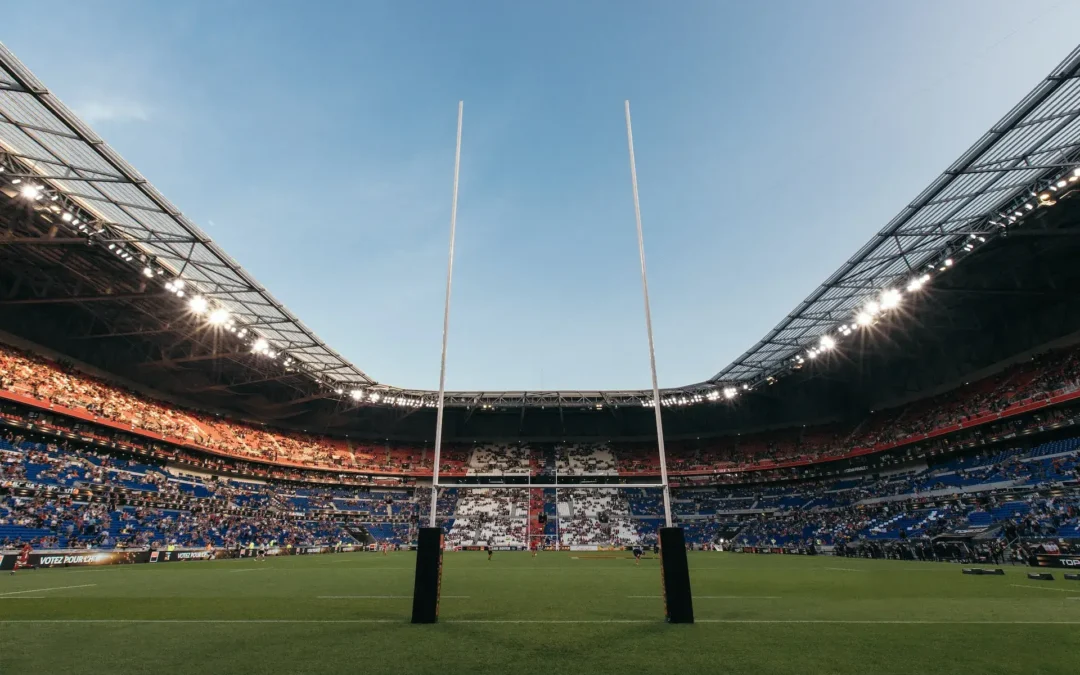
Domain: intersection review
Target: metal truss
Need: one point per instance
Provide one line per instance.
(42, 141)
(991, 188)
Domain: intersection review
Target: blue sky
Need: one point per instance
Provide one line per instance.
(314, 142)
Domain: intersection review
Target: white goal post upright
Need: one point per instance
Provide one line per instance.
(648, 322)
(446, 322)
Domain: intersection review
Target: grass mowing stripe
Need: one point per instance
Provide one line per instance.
(1041, 588)
(42, 590)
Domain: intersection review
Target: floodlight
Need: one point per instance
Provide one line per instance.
(148, 272)
(30, 191)
(218, 317)
(198, 304)
(948, 262)
(872, 308)
(374, 397)
(827, 342)
(864, 319)
(261, 345)
(66, 217)
(890, 298)
(729, 393)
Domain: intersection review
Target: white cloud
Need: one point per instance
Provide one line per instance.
(94, 112)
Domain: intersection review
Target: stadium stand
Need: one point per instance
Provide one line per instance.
(1020, 388)
(183, 477)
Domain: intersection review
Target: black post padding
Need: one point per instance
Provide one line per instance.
(1072, 577)
(675, 573)
(428, 584)
(1042, 576)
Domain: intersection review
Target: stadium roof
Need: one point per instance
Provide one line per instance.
(1027, 151)
(983, 194)
(42, 135)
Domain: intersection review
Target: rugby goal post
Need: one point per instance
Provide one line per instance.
(675, 575)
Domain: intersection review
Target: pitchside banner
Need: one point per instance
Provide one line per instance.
(1056, 560)
(85, 558)
(775, 550)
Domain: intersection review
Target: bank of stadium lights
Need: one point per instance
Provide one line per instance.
(176, 286)
(890, 299)
(917, 283)
(218, 317)
(198, 305)
(29, 191)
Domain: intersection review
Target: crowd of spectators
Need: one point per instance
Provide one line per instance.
(277, 452)
(65, 496)
(490, 517)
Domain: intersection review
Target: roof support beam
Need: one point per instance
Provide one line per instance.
(116, 297)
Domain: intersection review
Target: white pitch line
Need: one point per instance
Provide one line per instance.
(367, 567)
(26, 597)
(42, 590)
(381, 597)
(1040, 588)
(717, 597)
(843, 569)
(544, 621)
(249, 569)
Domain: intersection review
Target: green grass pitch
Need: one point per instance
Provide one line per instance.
(557, 613)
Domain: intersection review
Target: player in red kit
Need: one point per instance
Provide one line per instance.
(23, 560)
